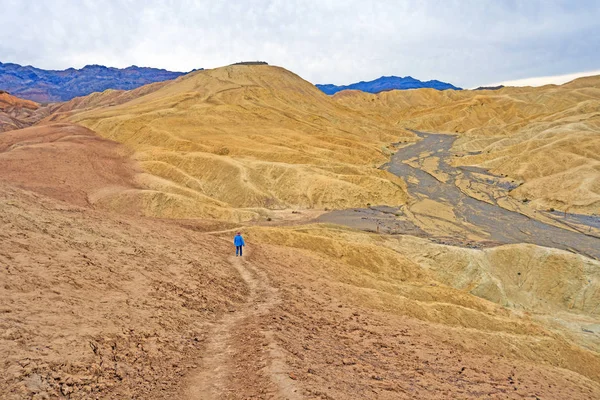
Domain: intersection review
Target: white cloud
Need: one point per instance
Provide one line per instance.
(547, 80)
(467, 42)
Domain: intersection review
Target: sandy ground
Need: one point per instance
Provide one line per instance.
(101, 306)
(96, 305)
(338, 349)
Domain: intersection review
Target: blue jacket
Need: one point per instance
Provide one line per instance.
(238, 240)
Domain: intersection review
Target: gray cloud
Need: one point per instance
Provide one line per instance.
(468, 43)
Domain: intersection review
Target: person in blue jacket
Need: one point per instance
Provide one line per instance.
(238, 241)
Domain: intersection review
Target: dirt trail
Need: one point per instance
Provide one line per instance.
(242, 359)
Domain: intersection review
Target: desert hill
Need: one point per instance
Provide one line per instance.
(16, 113)
(69, 163)
(60, 111)
(7, 102)
(231, 142)
(477, 113)
(48, 86)
(518, 132)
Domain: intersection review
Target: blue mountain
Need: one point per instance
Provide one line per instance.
(389, 83)
(45, 86)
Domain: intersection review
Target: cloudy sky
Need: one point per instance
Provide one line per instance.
(465, 42)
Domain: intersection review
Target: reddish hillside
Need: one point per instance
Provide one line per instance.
(66, 162)
(16, 113)
(8, 102)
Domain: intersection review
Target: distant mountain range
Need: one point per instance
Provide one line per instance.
(45, 86)
(389, 83)
(48, 86)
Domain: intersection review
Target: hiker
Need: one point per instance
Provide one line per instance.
(238, 241)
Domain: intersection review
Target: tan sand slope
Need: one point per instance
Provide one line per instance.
(99, 306)
(375, 290)
(110, 97)
(478, 112)
(16, 113)
(546, 136)
(522, 277)
(228, 142)
(558, 163)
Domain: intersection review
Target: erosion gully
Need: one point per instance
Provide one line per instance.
(500, 225)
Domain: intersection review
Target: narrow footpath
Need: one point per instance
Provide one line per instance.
(242, 359)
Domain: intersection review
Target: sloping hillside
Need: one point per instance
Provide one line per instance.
(110, 97)
(250, 138)
(70, 163)
(97, 304)
(477, 113)
(16, 113)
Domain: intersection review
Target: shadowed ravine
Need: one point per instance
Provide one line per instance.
(499, 225)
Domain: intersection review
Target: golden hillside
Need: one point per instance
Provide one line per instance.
(546, 137)
(110, 97)
(230, 142)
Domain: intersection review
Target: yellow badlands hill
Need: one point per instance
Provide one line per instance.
(546, 137)
(232, 142)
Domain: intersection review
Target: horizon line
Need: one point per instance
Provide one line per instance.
(537, 81)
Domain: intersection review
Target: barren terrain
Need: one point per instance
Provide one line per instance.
(546, 137)
(101, 305)
(250, 139)
(380, 263)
